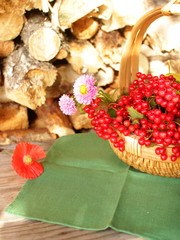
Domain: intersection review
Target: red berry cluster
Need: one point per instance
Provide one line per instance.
(157, 100)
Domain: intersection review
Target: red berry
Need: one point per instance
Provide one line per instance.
(163, 156)
(127, 123)
(173, 158)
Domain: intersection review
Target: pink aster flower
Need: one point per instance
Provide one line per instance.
(67, 105)
(84, 89)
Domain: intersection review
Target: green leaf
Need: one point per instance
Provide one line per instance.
(112, 112)
(134, 113)
(175, 75)
(135, 121)
(115, 95)
(105, 96)
(152, 102)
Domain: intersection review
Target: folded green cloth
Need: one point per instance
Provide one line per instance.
(86, 186)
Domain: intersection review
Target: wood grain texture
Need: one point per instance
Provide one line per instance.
(16, 228)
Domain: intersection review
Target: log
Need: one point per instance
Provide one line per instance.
(85, 28)
(84, 57)
(68, 77)
(105, 76)
(63, 53)
(3, 97)
(174, 61)
(80, 121)
(55, 121)
(123, 14)
(25, 135)
(63, 83)
(20, 6)
(10, 26)
(143, 63)
(109, 46)
(6, 48)
(56, 90)
(26, 79)
(102, 12)
(163, 34)
(78, 9)
(13, 116)
(42, 42)
(1, 78)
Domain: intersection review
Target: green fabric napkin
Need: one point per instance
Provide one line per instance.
(86, 186)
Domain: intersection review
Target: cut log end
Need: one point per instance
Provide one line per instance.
(10, 26)
(44, 44)
(63, 53)
(85, 28)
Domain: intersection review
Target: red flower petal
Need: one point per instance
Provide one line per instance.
(20, 150)
(33, 169)
(37, 152)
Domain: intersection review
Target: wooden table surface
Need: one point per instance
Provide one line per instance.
(15, 228)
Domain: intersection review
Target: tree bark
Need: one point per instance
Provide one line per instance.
(26, 79)
(29, 135)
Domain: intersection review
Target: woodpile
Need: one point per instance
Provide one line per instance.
(45, 45)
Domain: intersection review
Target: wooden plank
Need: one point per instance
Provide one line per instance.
(16, 228)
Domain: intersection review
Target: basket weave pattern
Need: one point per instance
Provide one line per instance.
(148, 162)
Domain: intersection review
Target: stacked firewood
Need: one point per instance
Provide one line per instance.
(46, 45)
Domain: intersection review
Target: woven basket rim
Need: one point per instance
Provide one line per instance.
(132, 146)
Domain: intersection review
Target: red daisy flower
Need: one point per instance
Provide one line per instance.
(23, 160)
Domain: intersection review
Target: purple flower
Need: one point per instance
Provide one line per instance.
(84, 89)
(67, 105)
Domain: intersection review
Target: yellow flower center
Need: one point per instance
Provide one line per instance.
(83, 89)
(27, 159)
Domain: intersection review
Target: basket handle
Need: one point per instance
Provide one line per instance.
(172, 7)
(130, 59)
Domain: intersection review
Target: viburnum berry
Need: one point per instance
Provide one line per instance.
(127, 123)
(164, 156)
(86, 109)
(156, 100)
(141, 141)
(121, 148)
(173, 158)
(131, 128)
(176, 150)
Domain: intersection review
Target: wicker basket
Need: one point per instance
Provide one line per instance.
(135, 155)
